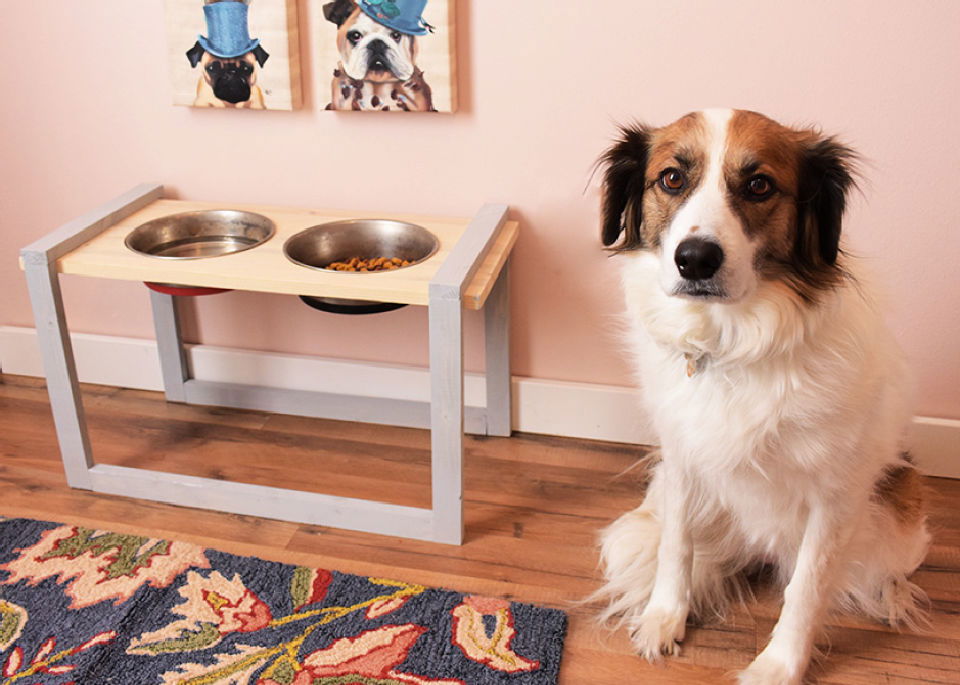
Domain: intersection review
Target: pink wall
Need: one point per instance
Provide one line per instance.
(86, 115)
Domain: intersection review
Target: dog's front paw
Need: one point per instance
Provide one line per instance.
(657, 631)
(767, 669)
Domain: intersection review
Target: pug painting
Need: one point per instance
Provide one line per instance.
(229, 59)
(378, 42)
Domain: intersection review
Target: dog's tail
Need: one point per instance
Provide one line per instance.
(628, 553)
(888, 550)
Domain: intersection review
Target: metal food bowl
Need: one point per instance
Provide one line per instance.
(319, 246)
(197, 235)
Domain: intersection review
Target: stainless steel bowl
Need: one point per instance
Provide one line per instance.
(319, 246)
(197, 235)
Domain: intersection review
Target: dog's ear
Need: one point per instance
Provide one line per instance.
(827, 174)
(623, 181)
(260, 54)
(194, 54)
(339, 11)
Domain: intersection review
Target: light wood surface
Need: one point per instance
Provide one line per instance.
(533, 508)
(265, 268)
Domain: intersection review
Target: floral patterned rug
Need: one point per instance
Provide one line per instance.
(89, 606)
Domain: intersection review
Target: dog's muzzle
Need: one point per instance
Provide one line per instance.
(698, 261)
(377, 60)
(232, 85)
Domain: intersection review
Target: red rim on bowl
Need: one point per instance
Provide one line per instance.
(184, 290)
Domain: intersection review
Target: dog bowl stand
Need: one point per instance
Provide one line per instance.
(470, 271)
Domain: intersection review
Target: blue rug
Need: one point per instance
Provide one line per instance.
(89, 606)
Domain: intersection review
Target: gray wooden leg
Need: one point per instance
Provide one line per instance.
(61, 370)
(173, 357)
(446, 418)
(496, 313)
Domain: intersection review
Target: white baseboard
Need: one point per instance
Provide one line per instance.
(936, 445)
(578, 410)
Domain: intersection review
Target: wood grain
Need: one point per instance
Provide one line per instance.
(266, 269)
(534, 506)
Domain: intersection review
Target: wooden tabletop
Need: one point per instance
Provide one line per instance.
(266, 269)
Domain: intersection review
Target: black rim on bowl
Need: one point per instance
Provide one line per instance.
(350, 306)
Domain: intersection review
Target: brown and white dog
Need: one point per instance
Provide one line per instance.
(778, 394)
(378, 65)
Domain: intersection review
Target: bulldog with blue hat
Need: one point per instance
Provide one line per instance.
(377, 41)
(229, 58)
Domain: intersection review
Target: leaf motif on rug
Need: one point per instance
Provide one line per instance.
(488, 642)
(309, 586)
(12, 620)
(214, 607)
(97, 565)
(372, 656)
(46, 660)
(234, 668)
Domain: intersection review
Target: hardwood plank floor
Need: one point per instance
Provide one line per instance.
(534, 505)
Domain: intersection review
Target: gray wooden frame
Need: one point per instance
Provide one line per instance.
(445, 414)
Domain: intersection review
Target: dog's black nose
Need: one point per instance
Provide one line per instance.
(698, 259)
(232, 88)
(377, 47)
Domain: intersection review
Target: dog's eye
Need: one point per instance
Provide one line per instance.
(759, 188)
(354, 36)
(396, 35)
(246, 68)
(672, 180)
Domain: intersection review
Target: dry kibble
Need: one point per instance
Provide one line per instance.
(372, 264)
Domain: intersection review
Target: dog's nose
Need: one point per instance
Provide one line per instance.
(698, 259)
(377, 46)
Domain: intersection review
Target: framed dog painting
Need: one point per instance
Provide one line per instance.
(239, 54)
(386, 55)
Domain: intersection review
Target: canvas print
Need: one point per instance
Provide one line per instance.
(240, 54)
(389, 55)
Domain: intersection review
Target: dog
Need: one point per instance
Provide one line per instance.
(779, 396)
(377, 68)
(231, 80)
(228, 82)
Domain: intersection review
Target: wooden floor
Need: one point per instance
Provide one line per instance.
(534, 506)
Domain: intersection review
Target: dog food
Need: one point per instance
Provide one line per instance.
(374, 264)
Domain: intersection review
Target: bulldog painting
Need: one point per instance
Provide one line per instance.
(385, 55)
(219, 53)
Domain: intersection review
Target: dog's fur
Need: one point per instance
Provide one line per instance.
(228, 82)
(378, 65)
(778, 395)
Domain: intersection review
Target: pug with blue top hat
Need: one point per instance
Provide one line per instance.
(229, 58)
(377, 41)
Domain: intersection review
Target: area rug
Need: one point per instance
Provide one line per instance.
(80, 606)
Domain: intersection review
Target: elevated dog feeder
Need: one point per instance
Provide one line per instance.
(468, 270)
